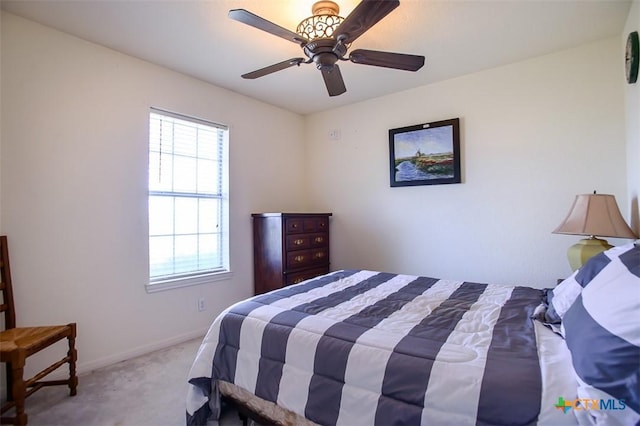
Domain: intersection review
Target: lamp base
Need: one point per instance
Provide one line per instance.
(585, 249)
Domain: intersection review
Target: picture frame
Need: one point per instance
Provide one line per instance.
(425, 154)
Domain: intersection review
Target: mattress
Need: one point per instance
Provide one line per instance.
(359, 347)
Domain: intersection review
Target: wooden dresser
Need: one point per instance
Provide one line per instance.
(289, 248)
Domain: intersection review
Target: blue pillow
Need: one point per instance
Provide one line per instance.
(602, 331)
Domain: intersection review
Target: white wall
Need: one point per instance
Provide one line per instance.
(632, 109)
(534, 134)
(73, 173)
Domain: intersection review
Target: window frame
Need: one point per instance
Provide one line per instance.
(168, 282)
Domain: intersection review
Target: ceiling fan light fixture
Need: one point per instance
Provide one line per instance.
(326, 37)
(322, 23)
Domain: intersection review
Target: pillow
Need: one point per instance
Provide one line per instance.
(602, 331)
(546, 313)
(559, 299)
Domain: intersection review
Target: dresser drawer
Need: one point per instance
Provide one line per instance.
(295, 225)
(298, 277)
(298, 242)
(319, 240)
(316, 224)
(304, 241)
(301, 258)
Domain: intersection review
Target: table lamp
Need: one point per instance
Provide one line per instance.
(593, 215)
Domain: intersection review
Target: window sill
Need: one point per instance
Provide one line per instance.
(174, 283)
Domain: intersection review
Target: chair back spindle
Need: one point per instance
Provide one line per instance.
(7, 306)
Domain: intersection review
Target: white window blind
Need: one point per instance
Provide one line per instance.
(187, 197)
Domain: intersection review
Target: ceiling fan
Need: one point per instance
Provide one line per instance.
(326, 37)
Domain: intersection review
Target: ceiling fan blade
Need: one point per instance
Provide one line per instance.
(399, 61)
(363, 17)
(246, 17)
(273, 68)
(333, 80)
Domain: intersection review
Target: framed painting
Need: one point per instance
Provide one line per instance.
(425, 154)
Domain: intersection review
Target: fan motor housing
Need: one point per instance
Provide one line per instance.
(325, 52)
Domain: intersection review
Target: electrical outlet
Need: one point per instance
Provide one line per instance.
(201, 306)
(334, 134)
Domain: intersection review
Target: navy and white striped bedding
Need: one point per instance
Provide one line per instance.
(365, 347)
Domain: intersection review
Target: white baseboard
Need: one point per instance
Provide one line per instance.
(86, 367)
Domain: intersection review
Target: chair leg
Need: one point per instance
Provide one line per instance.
(73, 357)
(9, 378)
(19, 388)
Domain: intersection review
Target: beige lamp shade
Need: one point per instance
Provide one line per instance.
(593, 215)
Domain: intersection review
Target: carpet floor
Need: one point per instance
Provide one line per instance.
(146, 391)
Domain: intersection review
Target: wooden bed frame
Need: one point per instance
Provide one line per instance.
(245, 413)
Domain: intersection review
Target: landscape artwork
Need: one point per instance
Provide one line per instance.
(425, 154)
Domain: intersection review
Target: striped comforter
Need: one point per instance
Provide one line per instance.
(363, 347)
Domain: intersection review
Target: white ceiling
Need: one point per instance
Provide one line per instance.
(457, 37)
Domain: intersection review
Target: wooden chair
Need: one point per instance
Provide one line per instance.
(18, 343)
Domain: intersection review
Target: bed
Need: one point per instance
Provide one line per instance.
(359, 347)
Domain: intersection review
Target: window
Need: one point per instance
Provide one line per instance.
(188, 203)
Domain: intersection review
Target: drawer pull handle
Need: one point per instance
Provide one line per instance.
(298, 242)
(319, 239)
(298, 280)
(319, 255)
(298, 258)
